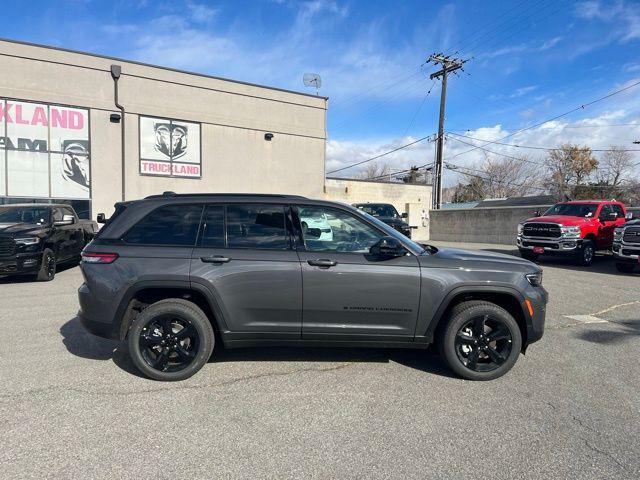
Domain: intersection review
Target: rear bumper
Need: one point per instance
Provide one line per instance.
(21, 263)
(95, 316)
(558, 246)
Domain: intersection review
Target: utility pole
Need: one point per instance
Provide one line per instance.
(448, 65)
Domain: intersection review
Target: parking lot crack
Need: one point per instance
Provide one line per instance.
(234, 381)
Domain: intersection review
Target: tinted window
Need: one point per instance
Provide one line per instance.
(326, 229)
(573, 209)
(618, 209)
(256, 226)
(170, 225)
(213, 227)
(23, 215)
(379, 210)
(57, 215)
(605, 211)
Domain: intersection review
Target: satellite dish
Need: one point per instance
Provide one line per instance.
(312, 80)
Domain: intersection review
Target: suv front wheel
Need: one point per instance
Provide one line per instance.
(481, 341)
(170, 340)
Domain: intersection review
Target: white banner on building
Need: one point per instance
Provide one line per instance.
(169, 147)
(45, 150)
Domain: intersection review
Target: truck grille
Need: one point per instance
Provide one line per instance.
(631, 235)
(7, 246)
(549, 230)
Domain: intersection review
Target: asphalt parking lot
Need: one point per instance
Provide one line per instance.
(72, 406)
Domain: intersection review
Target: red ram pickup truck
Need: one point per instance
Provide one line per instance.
(576, 228)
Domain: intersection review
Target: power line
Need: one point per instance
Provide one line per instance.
(520, 159)
(549, 149)
(581, 107)
(419, 108)
(381, 155)
(400, 172)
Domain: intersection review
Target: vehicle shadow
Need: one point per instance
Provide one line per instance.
(82, 344)
(613, 335)
(31, 278)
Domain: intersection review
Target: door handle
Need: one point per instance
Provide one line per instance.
(215, 259)
(322, 263)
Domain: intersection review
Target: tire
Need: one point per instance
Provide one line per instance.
(625, 267)
(182, 356)
(459, 354)
(586, 253)
(48, 266)
(528, 255)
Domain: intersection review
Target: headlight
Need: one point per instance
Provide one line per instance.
(617, 234)
(520, 228)
(27, 240)
(570, 231)
(534, 279)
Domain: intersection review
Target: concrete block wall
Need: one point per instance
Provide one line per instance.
(406, 198)
(484, 225)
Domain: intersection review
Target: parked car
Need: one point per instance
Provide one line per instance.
(626, 246)
(174, 274)
(388, 214)
(577, 229)
(35, 238)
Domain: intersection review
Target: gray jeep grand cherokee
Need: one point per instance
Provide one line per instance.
(174, 275)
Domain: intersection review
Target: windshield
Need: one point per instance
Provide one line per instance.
(378, 210)
(572, 209)
(39, 215)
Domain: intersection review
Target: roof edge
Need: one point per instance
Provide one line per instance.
(171, 69)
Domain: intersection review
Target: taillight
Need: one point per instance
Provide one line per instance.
(98, 257)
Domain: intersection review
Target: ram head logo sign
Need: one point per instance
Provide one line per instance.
(171, 139)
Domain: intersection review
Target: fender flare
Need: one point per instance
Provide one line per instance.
(446, 302)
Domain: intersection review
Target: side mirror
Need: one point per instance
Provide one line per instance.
(629, 216)
(101, 218)
(66, 220)
(388, 247)
(536, 213)
(404, 215)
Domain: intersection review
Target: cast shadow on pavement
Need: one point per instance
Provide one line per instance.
(614, 333)
(31, 278)
(82, 344)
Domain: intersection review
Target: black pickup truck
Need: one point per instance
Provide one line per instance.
(36, 237)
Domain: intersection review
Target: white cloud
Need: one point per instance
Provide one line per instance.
(552, 42)
(624, 17)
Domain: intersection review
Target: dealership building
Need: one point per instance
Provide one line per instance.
(92, 131)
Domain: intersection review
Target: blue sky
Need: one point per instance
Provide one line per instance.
(528, 61)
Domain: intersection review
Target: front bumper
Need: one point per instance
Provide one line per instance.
(561, 245)
(626, 252)
(21, 263)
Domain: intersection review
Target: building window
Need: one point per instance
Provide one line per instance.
(44, 151)
(169, 148)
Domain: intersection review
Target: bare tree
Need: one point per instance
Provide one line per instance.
(616, 165)
(374, 170)
(569, 167)
(510, 177)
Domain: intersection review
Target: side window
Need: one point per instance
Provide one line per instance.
(57, 215)
(618, 209)
(213, 227)
(605, 211)
(256, 226)
(175, 225)
(325, 229)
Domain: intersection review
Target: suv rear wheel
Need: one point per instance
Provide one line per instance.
(170, 340)
(481, 341)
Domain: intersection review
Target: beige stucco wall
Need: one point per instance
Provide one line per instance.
(234, 118)
(410, 198)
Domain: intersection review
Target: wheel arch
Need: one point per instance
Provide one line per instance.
(506, 297)
(142, 294)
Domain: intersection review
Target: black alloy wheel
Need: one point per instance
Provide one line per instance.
(480, 340)
(48, 266)
(170, 339)
(483, 344)
(169, 343)
(587, 253)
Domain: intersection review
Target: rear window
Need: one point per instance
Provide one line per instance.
(171, 225)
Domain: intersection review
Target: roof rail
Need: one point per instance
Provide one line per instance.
(263, 195)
